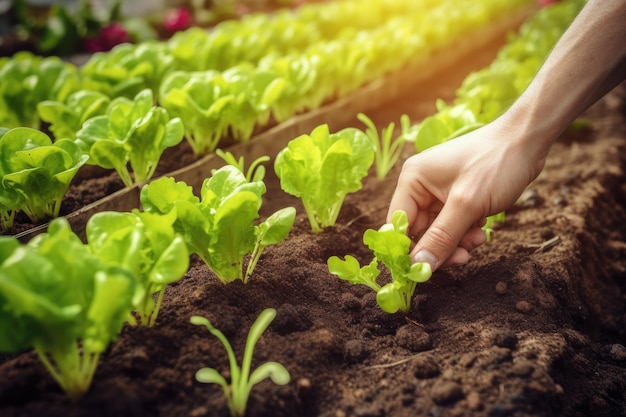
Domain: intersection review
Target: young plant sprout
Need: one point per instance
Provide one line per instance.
(255, 172)
(390, 245)
(491, 220)
(242, 378)
(387, 150)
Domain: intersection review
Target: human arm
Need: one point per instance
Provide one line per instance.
(448, 190)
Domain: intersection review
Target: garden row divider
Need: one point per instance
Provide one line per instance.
(337, 114)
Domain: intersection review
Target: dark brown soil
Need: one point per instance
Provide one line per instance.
(521, 330)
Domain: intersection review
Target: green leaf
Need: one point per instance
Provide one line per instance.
(273, 370)
(277, 226)
(350, 270)
(390, 298)
(211, 376)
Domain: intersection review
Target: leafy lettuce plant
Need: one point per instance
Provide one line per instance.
(67, 117)
(28, 79)
(59, 299)
(35, 173)
(213, 104)
(145, 244)
(131, 136)
(322, 168)
(390, 245)
(199, 99)
(242, 378)
(220, 226)
(129, 68)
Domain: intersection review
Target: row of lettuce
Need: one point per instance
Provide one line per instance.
(68, 299)
(124, 107)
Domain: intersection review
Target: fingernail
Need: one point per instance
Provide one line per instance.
(425, 256)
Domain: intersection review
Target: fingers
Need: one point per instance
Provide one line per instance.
(449, 238)
(473, 239)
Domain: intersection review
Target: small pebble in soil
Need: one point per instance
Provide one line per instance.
(369, 412)
(523, 369)
(523, 306)
(617, 352)
(501, 288)
(574, 338)
(350, 302)
(473, 401)
(413, 338)
(355, 351)
(291, 319)
(493, 357)
(304, 383)
(199, 412)
(446, 392)
(424, 366)
(505, 338)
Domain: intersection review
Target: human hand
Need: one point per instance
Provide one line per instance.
(448, 190)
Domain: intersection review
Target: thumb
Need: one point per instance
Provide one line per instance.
(441, 240)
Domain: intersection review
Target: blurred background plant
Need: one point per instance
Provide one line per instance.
(66, 27)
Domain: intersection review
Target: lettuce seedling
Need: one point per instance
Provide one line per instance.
(390, 245)
(35, 173)
(242, 379)
(147, 245)
(133, 133)
(387, 150)
(322, 168)
(60, 299)
(220, 227)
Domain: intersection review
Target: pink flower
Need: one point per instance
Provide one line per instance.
(544, 3)
(109, 36)
(177, 19)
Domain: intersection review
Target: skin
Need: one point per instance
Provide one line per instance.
(449, 189)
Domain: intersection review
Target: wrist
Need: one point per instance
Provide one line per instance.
(529, 134)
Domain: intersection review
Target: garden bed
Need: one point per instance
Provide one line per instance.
(95, 189)
(521, 330)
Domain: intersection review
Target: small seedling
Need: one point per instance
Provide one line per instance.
(390, 245)
(255, 172)
(242, 380)
(387, 150)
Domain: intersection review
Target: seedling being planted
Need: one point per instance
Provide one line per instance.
(390, 245)
(322, 168)
(242, 378)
